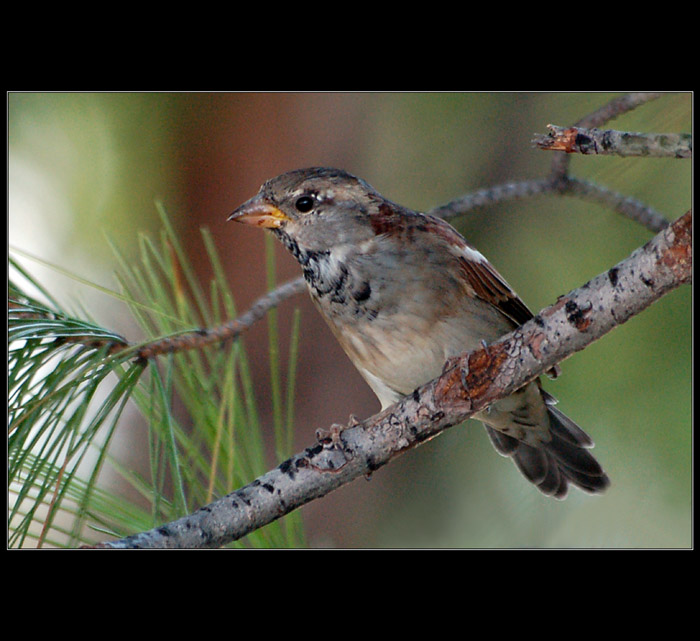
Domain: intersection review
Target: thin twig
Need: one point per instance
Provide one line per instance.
(626, 205)
(468, 384)
(227, 331)
(562, 186)
(493, 195)
(616, 143)
(609, 111)
(617, 107)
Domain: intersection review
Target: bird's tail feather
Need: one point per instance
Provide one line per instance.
(564, 460)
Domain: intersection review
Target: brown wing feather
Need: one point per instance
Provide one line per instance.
(486, 282)
(488, 285)
(482, 278)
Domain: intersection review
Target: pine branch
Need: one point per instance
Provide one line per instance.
(57, 365)
(468, 384)
(60, 401)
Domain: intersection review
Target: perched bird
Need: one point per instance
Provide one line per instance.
(402, 292)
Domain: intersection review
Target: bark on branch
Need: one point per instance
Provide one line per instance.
(228, 331)
(468, 384)
(617, 143)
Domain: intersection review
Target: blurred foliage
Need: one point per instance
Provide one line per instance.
(99, 158)
(83, 163)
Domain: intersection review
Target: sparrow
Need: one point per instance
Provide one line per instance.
(403, 292)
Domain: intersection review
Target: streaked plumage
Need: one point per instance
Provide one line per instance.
(403, 292)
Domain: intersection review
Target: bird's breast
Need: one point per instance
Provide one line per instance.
(339, 289)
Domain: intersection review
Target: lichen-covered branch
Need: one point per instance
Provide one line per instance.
(605, 113)
(616, 143)
(467, 385)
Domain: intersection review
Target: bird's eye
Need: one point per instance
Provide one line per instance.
(304, 204)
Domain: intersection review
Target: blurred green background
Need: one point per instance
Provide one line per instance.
(86, 166)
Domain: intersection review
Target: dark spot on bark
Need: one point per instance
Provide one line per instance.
(363, 292)
(613, 276)
(314, 450)
(372, 464)
(286, 468)
(422, 437)
(607, 140)
(584, 143)
(576, 316)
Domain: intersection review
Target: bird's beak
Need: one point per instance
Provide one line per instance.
(259, 213)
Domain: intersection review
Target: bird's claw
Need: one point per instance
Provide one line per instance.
(330, 439)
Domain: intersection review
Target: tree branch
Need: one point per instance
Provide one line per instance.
(468, 384)
(617, 143)
(616, 107)
(559, 185)
(626, 205)
(228, 331)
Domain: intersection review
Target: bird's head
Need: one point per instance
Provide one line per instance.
(314, 209)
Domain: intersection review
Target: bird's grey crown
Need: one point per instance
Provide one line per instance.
(315, 179)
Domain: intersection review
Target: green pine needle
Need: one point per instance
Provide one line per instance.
(70, 380)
